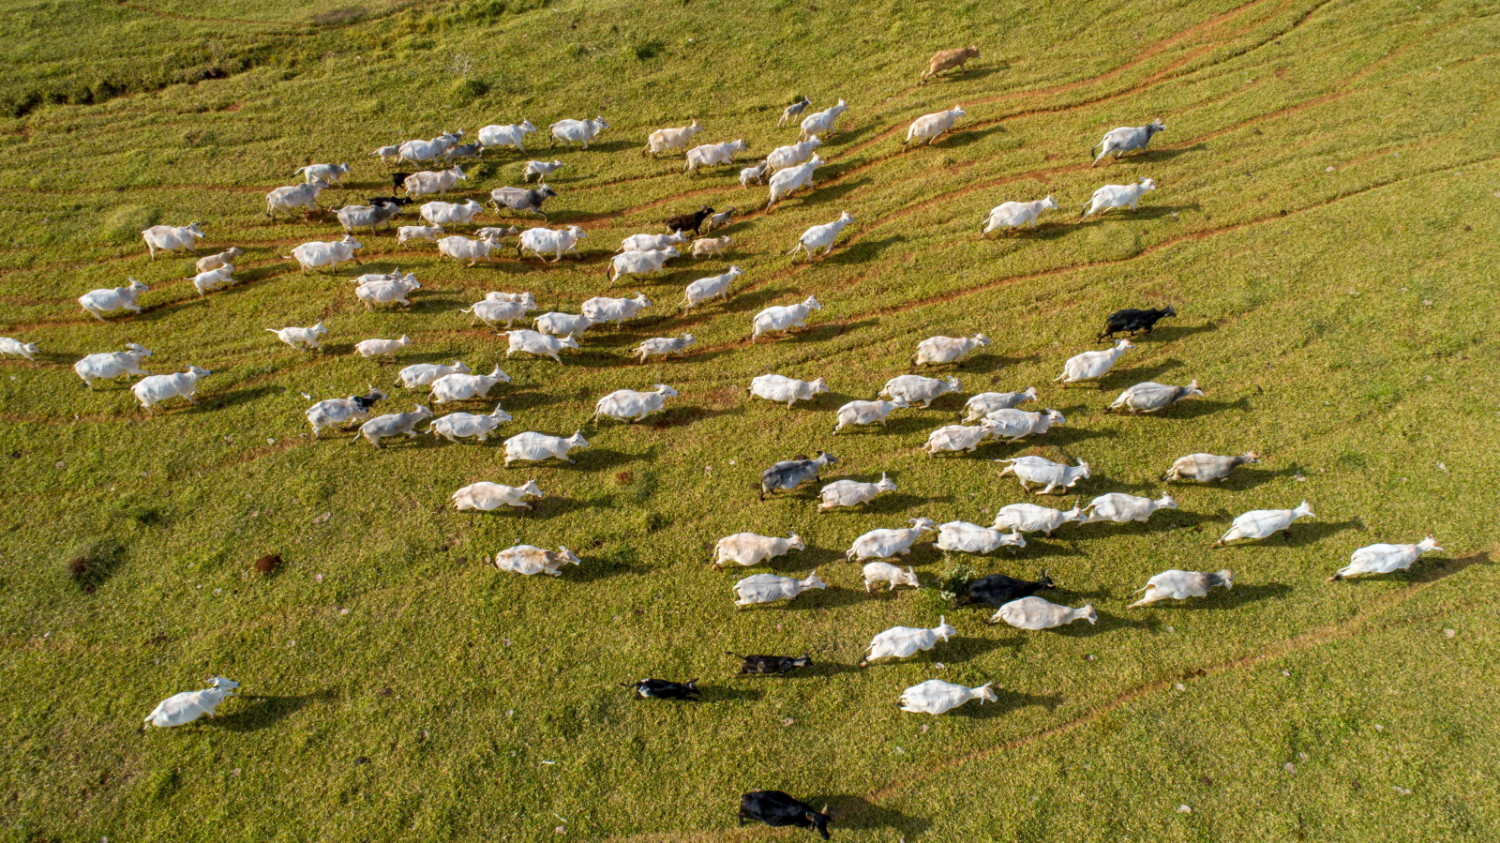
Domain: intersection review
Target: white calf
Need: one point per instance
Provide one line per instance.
(485, 496)
(155, 389)
(171, 238)
(748, 549)
(629, 405)
(784, 317)
(102, 302)
(707, 289)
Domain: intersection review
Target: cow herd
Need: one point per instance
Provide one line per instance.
(986, 416)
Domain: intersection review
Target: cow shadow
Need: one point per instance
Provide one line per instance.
(1152, 212)
(258, 711)
(981, 363)
(1167, 331)
(1168, 153)
(1007, 702)
(832, 597)
(552, 507)
(961, 139)
(966, 648)
(1068, 434)
(898, 501)
(594, 569)
(1248, 477)
(822, 670)
(1107, 623)
(857, 812)
(1194, 408)
(1304, 533)
(238, 396)
(864, 250)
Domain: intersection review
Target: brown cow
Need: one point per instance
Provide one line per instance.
(949, 59)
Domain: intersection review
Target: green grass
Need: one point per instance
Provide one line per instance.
(1325, 225)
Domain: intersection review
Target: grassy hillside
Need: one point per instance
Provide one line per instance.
(1325, 226)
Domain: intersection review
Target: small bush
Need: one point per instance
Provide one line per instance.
(125, 223)
(647, 50)
(465, 91)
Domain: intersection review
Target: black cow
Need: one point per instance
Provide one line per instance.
(762, 665)
(998, 589)
(1131, 321)
(787, 475)
(693, 221)
(398, 201)
(398, 181)
(661, 689)
(777, 809)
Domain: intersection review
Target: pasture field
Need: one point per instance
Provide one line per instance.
(1325, 224)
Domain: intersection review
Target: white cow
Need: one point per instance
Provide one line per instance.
(214, 279)
(538, 447)
(1180, 585)
(821, 122)
(985, 403)
(320, 253)
(577, 131)
(387, 292)
(915, 389)
(1092, 364)
(1150, 396)
(327, 173)
(1044, 472)
(1031, 518)
(539, 240)
(1117, 196)
(11, 347)
(792, 154)
(156, 389)
(663, 347)
(418, 151)
(407, 233)
(628, 405)
(456, 426)
(888, 543)
(296, 196)
(606, 309)
(793, 111)
(793, 178)
(428, 182)
(746, 549)
(713, 154)
(930, 127)
(485, 496)
(461, 248)
(885, 572)
(223, 258)
(934, 351)
(562, 324)
(768, 588)
(1036, 613)
(963, 537)
(1260, 523)
(181, 709)
(754, 174)
(937, 697)
(1016, 214)
(492, 313)
(821, 236)
(867, 412)
(1384, 558)
(958, 437)
(99, 303)
(510, 134)
(171, 238)
(664, 140)
(389, 155)
(392, 424)
(381, 348)
(540, 169)
(421, 375)
(340, 412)
(449, 213)
(300, 338)
(847, 493)
(527, 559)
(1014, 425)
(640, 263)
(706, 247)
(1126, 139)
(652, 242)
(784, 317)
(898, 642)
(1207, 468)
(109, 365)
(1121, 508)
(461, 387)
(779, 388)
(532, 342)
(710, 288)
